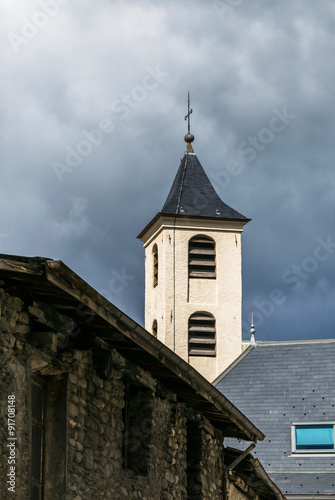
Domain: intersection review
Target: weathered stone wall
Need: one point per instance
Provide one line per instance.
(96, 424)
(14, 377)
(118, 436)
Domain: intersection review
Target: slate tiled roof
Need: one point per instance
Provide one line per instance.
(193, 194)
(276, 385)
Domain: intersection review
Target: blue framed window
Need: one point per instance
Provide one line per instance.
(313, 437)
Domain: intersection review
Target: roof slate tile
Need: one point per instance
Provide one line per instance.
(192, 193)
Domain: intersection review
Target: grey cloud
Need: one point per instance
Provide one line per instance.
(260, 56)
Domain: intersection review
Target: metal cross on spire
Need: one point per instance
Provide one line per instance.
(189, 137)
(187, 117)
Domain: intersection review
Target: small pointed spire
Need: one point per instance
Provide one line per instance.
(252, 331)
(189, 137)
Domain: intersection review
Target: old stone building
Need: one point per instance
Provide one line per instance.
(95, 407)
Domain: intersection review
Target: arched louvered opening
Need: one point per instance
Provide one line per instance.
(154, 328)
(201, 257)
(201, 335)
(155, 257)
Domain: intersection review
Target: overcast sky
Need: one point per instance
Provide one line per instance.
(261, 76)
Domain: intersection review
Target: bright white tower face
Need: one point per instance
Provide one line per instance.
(193, 282)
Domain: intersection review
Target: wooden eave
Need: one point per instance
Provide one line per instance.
(251, 471)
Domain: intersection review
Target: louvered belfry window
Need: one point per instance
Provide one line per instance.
(155, 256)
(201, 257)
(201, 335)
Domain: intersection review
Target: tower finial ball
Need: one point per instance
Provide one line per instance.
(189, 138)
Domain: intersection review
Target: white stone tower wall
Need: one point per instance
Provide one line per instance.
(177, 297)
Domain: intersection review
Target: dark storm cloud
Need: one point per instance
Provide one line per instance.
(87, 72)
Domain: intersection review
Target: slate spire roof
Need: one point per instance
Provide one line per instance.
(193, 194)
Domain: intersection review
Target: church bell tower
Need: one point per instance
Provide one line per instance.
(193, 282)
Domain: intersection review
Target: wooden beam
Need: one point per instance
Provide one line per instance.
(21, 267)
(46, 315)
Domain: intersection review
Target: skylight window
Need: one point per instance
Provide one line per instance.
(313, 438)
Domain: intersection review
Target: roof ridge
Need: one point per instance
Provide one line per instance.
(263, 343)
(233, 364)
(182, 183)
